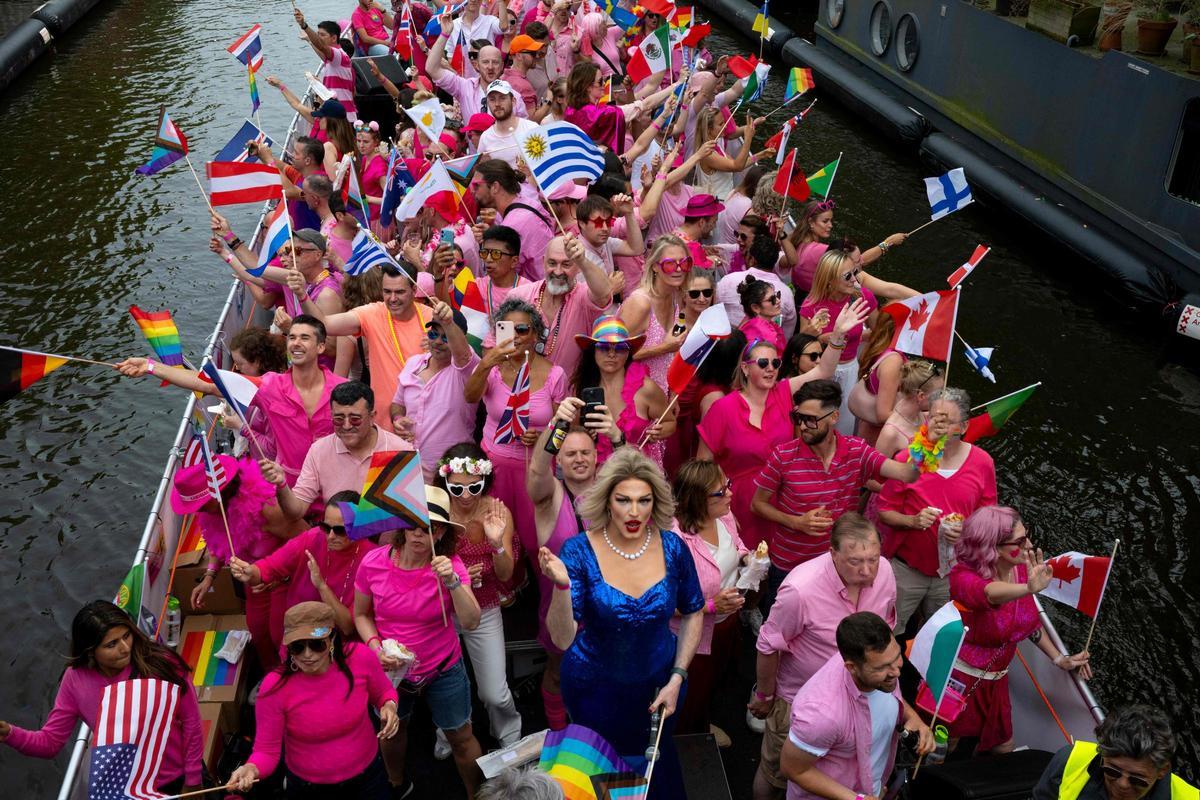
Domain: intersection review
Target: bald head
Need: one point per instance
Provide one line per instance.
(490, 63)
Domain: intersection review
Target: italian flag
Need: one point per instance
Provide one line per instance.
(652, 55)
(1079, 580)
(933, 650)
(821, 181)
(996, 413)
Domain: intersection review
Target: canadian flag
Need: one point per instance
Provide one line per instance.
(925, 324)
(959, 275)
(1079, 580)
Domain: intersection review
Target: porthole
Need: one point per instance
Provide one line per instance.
(908, 42)
(881, 28)
(834, 10)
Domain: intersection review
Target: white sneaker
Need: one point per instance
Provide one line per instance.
(754, 723)
(753, 618)
(441, 747)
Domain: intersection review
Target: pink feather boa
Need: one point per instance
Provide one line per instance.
(246, 522)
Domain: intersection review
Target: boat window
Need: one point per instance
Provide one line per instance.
(908, 42)
(881, 28)
(834, 9)
(1184, 181)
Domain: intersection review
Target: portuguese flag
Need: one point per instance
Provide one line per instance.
(821, 181)
(996, 413)
(23, 368)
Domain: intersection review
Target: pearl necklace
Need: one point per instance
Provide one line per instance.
(628, 556)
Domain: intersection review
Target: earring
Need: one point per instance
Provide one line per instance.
(293, 666)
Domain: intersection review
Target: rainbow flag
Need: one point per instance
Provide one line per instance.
(191, 538)
(996, 413)
(159, 329)
(682, 18)
(199, 649)
(255, 101)
(393, 496)
(170, 145)
(606, 98)
(20, 369)
(469, 300)
(799, 81)
(582, 761)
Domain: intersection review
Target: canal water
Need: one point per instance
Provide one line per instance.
(1108, 448)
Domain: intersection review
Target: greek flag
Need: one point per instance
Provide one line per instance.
(948, 193)
(560, 152)
(366, 253)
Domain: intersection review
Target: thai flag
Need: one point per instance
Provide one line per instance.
(237, 390)
(234, 182)
(711, 325)
(131, 736)
(434, 28)
(979, 359)
(947, 193)
(515, 420)
(367, 254)
(560, 152)
(248, 48)
(236, 149)
(278, 229)
(959, 275)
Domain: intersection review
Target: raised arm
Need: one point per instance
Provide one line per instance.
(344, 323)
(539, 478)
(851, 314)
(599, 287)
(178, 376)
(435, 58)
(323, 50)
(290, 97)
(635, 243)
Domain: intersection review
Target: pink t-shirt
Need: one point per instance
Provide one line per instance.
(736, 206)
(759, 328)
(338, 567)
(469, 95)
(806, 265)
(292, 429)
(854, 336)
(327, 730)
(669, 215)
(521, 86)
(371, 183)
(337, 74)
(371, 21)
(493, 294)
(576, 315)
(541, 408)
(536, 229)
(406, 609)
(440, 414)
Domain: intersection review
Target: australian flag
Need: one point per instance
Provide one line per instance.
(130, 739)
(400, 180)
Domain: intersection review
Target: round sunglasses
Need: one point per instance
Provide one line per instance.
(671, 266)
(763, 363)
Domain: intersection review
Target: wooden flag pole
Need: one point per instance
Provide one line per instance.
(223, 788)
(199, 185)
(786, 103)
(932, 723)
(1092, 629)
(922, 227)
(661, 417)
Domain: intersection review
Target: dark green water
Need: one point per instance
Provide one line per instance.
(1109, 447)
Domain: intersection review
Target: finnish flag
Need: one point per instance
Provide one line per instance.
(979, 358)
(947, 193)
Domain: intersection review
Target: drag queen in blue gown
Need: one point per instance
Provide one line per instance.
(618, 585)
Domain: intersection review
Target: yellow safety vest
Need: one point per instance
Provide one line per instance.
(1076, 775)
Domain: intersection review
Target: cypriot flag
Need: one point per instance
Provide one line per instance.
(429, 117)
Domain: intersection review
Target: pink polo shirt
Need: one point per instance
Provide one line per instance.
(576, 315)
(440, 414)
(799, 482)
(291, 428)
(802, 625)
(330, 468)
(832, 714)
(536, 228)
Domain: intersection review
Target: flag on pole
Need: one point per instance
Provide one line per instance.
(651, 56)
(576, 756)
(467, 299)
(393, 496)
(235, 150)
(366, 253)
(761, 26)
(696, 34)
(789, 181)
(560, 152)
(20, 369)
(435, 180)
(925, 324)
(755, 82)
(248, 48)
(129, 594)
(779, 141)
(159, 329)
(458, 54)
(433, 28)
(234, 182)
(606, 98)
(1079, 581)
(132, 728)
(996, 413)
(346, 180)
(237, 389)
(170, 145)
(429, 117)
(402, 43)
(255, 101)
(742, 66)
(821, 181)
(212, 467)
(711, 326)
(800, 80)
(947, 193)
(933, 650)
(959, 275)
(278, 231)
(979, 359)
(399, 181)
(515, 420)
(681, 17)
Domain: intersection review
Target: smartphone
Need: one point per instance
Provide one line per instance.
(504, 333)
(592, 397)
(447, 236)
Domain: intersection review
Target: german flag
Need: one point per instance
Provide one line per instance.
(23, 368)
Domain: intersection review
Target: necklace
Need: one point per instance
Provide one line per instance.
(326, 573)
(628, 556)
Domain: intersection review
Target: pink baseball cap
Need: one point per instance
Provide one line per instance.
(569, 191)
(478, 123)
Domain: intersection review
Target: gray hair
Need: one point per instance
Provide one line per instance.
(522, 307)
(628, 463)
(521, 784)
(1137, 731)
(952, 394)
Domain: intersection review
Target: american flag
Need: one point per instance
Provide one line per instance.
(216, 473)
(193, 453)
(515, 420)
(131, 736)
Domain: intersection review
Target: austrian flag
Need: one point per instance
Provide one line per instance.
(234, 182)
(925, 324)
(1079, 580)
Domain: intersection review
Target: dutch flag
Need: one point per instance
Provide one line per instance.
(278, 228)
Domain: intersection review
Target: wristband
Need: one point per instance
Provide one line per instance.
(236, 243)
(710, 606)
(227, 258)
(559, 587)
(229, 237)
(660, 177)
(766, 698)
(883, 247)
(304, 25)
(680, 671)
(150, 366)
(498, 551)
(452, 586)
(837, 345)
(656, 126)
(375, 639)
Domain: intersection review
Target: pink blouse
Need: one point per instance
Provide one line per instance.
(541, 408)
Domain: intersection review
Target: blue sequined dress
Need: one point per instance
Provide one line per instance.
(623, 654)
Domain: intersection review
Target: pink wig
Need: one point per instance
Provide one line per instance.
(982, 531)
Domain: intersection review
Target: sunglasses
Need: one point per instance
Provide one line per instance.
(769, 299)
(848, 276)
(341, 419)
(763, 363)
(315, 645)
(522, 328)
(1114, 774)
(612, 347)
(601, 222)
(937, 370)
(696, 294)
(492, 254)
(813, 354)
(670, 266)
(434, 335)
(459, 489)
(823, 206)
(724, 490)
(808, 420)
(742, 237)
(1020, 541)
(340, 530)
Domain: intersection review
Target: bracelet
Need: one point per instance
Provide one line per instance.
(883, 247)
(229, 236)
(227, 258)
(150, 365)
(561, 588)
(710, 606)
(660, 177)
(1059, 659)
(766, 698)
(655, 125)
(498, 551)
(375, 639)
(620, 442)
(236, 243)
(837, 345)
(450, 587)
(440, 279)
(304, 25)
(680, 671)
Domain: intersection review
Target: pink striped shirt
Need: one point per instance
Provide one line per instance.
(338, 76)
(799, 482)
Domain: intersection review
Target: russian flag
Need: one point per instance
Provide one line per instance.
(959, 275)
(234, 182)
(248, 48)
(711, 325)
(278, 227)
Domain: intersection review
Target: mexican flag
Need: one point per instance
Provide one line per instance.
(1079, 580)
(933, 650)
(996, 413)
(652, 55)
(821, 181)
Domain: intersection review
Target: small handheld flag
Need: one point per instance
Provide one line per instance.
(651, 56)
(393, 496)
(367, 253)
(255, 100)
(996, 413)
(469, 300)
(20, 369)
(606, 98)
(947, 193)
(170, 145)
(790, 182)
(159, 329)
(800, 80)
(248, 48)
(755, 82)
(432, 182)
(429, 117)
(235, 150)
(934, 648)
(959, 275)
(925, 324)
(237, 390)
(132, 728)
(761, 26)
(979, 359)
(400, 180)
(821, 181)
(560, 152)
(278, 230)
(515, 420)
(584, 764)
(711, 326)
(1079, 581)
(235, 182)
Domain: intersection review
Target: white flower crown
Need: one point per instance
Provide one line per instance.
(467, 465)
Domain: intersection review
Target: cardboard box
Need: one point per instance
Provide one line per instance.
(220, 599)
(213, 728)
(216, 680)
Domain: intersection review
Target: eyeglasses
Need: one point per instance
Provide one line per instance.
(813, 354)
(1114, 774)
(724, 490)
(612, 347)
(315, 645)
(601, 222)
(340, 530)
(763, 363)
(492, 254)
(670, 266)
(937, 370)
(434, 335)
(522, 328)
(696, 294)
(341, 419)
(808, 420)
(459, 489)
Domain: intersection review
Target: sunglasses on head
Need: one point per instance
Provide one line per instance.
(808, 420)
(671, 266)
(601, 222)
(764, 362)
(492, 254)
(696, 294)
(1114, 774)
(340, 530)
(612, 347)
(937, 370)
(316, 645)
(823, 206)
(459, 489)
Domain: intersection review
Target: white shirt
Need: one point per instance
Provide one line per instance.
(727, 295)
(485, 26)
(493, 140)
(883, 726)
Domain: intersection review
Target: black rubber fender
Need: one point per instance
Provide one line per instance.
(872, 105)
(740, 15)
(58, 15)
(21, 47)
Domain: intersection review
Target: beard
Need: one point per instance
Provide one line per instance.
(558, 285)
(814, 437)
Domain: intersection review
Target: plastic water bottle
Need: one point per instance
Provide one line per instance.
(174, 621)
(941, 745)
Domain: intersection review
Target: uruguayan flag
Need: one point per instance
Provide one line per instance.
(979, 358)
(365, 254)
(947, 193)
(560, 152)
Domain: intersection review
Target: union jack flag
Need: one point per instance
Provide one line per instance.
(515, 420)
(131, 735)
